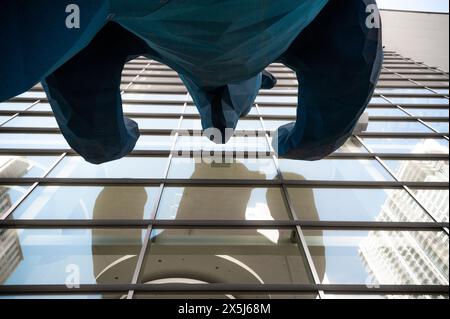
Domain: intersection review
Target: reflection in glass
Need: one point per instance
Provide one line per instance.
(407, 145)
(385, 111)
(441, 127)
(225, 256)
(399, 126)
(157, 98)
(87, 202)
(428, 112)
(32, 121)
(41, 107)
(14, 106)
(249, 125)
(154, 143)
(229, 203)
(32, 95)
(24, 166)
(84, 256)
(274, 110)
(152, 108)
(345, 204)
(401, 91)
(378, 100)
(234, 168)
(202, 144)
(418, 100)
(33, 141)
(9, 195)
(157, 123)
(334, 169)
(276, 99)
(127, 167)
(3, 119)
(273, 125)
(352, 145)
(381, 257)
(419, 171)
(435, 201)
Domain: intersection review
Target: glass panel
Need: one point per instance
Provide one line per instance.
(249, 125)
(157, 123)
(3, 119)
(127, 167)
(235, 144)
(418, 100)
(33, 141)
(385, 111)
(25, 166)
(191, 110)
(407, 145)
(225, 256)
(14, 106)
(33, 95)
(157, 88)
(242, 125)
(41, 107)
(435, 201)
(278, 99)
(352, 145)
(274, 110)
(378, 100)
(441, 127)
(435, 84)
(380, 257)
(88, 202)
(237, 203)
(273, 125)
(155, 97)
(32, 121)
(442, 91)
(191, 124)
(9, 195)
(401, 91)
(412, 70)
(334, 169)
(241, 168)
(361, 204)
(419, 171)
(428, 112)
(152, 108)
(159, 79)
(154, 142)
(400, 126)
(60, 256)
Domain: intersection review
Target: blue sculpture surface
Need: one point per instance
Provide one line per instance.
(220, 49)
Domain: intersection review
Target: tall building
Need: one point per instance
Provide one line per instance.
(184, 211)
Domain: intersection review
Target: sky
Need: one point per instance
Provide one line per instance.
(415, 5)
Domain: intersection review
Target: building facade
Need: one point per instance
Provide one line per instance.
(183, 217)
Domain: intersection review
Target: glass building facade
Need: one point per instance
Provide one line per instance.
(183, 217)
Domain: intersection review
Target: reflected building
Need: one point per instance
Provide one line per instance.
(10, 250)
(253, 256)
(409, 257)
